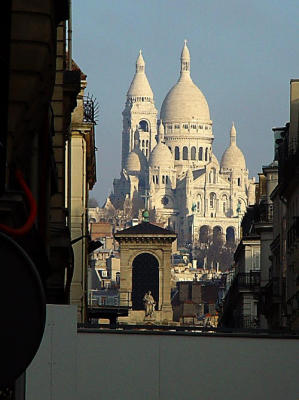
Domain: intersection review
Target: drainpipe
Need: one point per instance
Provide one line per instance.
(69, 145)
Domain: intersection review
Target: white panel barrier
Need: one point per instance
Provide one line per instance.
(172, 367)
(152, 366)
(52, 373)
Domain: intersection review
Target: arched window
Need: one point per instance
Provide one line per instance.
(212, 200)
(167, 180)
(204, 232)
(200, 153)
(193, 153)
(217, 235)
(143, 125)
(185, 153)
(154, 178)
(206, 154)
(142, 143)
(176, 153)
(239, 181)
(163, 178)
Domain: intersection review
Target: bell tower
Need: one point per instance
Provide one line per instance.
(139, 115)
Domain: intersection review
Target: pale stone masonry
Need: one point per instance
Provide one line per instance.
(189, 190)
(154, 243)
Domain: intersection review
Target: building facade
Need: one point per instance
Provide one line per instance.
(82, 177)
(171, 162)
(282, 296)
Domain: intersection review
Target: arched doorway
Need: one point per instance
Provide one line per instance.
(145, 277)
(230, 235)
(204, 233)
(217, 236)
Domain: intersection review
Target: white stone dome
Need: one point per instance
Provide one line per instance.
(233, 158)
(185, 102)
(133, 163)
(161, 157)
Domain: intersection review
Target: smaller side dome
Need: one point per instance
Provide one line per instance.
(233, 158)
(161, 157)
(133, 162)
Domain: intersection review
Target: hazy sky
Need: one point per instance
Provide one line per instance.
(243, 55)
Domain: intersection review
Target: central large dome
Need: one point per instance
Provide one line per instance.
(185, 102)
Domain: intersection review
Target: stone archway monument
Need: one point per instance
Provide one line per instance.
(145, 266)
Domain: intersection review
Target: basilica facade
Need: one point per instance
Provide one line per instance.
(169, 164)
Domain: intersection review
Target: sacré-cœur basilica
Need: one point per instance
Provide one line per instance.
(171, 163)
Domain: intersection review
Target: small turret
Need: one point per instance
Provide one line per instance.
(140, 64)
(161, 132)
(140, 89)
(233, 135)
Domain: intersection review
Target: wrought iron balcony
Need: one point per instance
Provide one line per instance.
(248, 280)
(243, 282)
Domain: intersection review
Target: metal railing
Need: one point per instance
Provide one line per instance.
(247, 321)
(247, 280)
(106, 298)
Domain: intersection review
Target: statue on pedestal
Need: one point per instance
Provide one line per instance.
(149, 304)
